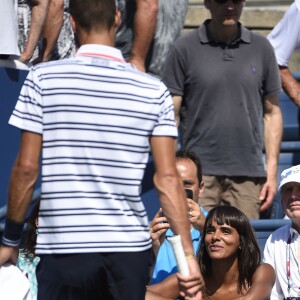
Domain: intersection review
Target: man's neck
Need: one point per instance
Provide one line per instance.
(224, 34)
(105, 38)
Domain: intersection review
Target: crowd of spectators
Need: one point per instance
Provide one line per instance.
(219, 84)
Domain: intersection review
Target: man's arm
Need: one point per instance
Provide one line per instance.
(167, 289)
(290, 85)
(52, 29)
(172, 199)
(144, 28)
(39, 11)
(24, 175)
(262, 284)
(158, 229)
(177, 101)
(273, 125)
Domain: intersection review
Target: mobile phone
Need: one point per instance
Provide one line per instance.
(189, 194)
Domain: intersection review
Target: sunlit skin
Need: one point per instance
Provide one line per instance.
(188, 173)
(290, 198)
(222, 241)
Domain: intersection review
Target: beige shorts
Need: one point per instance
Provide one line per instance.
(239, 191)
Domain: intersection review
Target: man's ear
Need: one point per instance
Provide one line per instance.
(118, 19)
(201, 189)
(73, 24)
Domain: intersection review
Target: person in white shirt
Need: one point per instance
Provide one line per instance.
(285, 38)
(282, 249)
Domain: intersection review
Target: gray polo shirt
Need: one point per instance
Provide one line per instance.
(223, 87)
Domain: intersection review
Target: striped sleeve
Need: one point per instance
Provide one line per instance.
(28, 114)
(165, 125)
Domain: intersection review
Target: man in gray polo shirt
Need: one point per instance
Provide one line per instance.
(223, 79)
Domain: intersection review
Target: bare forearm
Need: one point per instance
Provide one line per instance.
(24, 175)
(39, 12)
(21, 188)
(273, 134)
(174, 206)
(52, 28)
(290, 85)
(144, 28)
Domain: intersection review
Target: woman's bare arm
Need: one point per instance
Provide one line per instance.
(262, 284)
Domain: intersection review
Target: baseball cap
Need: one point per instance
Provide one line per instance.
(290, 175)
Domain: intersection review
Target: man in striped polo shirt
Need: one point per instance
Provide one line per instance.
(94, 117)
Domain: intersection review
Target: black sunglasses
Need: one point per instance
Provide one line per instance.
(233, 1)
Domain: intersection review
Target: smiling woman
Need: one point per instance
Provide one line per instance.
(229, 259)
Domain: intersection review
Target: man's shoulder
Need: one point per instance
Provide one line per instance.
(281, 233)
(52, 64)
(259, 39)
(185, 39)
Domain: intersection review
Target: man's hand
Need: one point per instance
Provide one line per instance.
(8, 254)
(268, 193)
(190, 286)
(197, 218)
(158, 229)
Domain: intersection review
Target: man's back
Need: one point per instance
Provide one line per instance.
(96, 114)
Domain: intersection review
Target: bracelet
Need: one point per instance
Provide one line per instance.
(12, 233)
(189, 256)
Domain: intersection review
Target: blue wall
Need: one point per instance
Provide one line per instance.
(11, 81)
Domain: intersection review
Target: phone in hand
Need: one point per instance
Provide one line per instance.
(189, 194)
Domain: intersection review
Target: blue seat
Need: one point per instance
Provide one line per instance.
(263, 229)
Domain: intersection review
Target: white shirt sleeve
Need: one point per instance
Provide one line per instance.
(285, 37)
(269, 257)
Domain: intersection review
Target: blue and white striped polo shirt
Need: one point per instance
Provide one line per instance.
(96, 114)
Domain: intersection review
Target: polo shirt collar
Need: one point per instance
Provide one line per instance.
(205, 37)
(106, 52)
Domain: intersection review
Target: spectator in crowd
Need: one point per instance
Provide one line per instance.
(229, 259)
(136, 31)
(282, 247)
(223, 78)
(9, 36)
(147, 29)
(32, 18)
(58, 37)
(93, 239)
(189, 169)
(285, 38)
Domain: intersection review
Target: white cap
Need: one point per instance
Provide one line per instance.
(290, 175)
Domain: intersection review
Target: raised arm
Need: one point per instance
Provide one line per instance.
(172, 199)
(39, 11)
(262, 284)
(273, 125)
(144, 28)
(24, 175)
(158, 229)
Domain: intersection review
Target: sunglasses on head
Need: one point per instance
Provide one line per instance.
(233, 1)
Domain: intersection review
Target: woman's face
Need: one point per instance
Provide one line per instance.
(221, 241)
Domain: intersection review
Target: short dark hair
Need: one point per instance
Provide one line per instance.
(185, 154)
(93, 14)
(249, 257)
